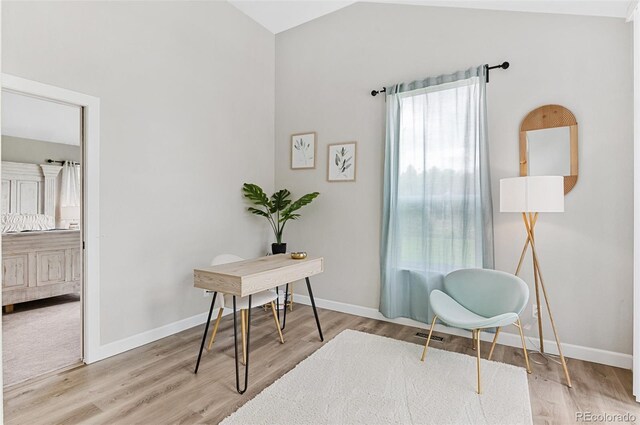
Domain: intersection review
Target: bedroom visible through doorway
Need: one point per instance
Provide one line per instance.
(42, 249)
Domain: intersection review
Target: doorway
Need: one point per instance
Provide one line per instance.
(49, 194)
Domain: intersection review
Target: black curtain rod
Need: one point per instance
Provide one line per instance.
(55, 161)
(503, 65)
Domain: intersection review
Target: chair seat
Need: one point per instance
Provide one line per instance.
(452, 313)
(257, 300)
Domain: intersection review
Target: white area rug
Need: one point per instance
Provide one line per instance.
(40, 336)
(358, 378)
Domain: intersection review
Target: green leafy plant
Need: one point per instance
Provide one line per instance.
(277, 209)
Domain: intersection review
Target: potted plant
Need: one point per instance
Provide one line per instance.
(277, 209)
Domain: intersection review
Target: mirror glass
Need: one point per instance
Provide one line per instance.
(549, 144)
(549, 152)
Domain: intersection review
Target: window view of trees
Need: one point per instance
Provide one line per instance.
(426, 227)
(437, 183)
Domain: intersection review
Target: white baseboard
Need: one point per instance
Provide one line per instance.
(135, 341)
(569, 350)
(138, 340)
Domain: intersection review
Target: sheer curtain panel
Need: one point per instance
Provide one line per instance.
(437, 212)
(70, 196)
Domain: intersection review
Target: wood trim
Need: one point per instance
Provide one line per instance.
(523, 154)
(315, 150)
(551, 116)
(548, 116)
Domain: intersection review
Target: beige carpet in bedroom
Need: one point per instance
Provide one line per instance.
(40, 336)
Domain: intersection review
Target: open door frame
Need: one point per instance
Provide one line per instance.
(634, 18)
(90, 201)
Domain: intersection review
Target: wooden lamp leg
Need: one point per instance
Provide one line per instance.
(426, 345)
(524, 251)
(536, 264)
(530, 225)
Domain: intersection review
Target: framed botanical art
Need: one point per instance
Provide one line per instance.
(303, 151)
(341, 165)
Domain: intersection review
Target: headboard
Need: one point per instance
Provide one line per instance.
(29, 188)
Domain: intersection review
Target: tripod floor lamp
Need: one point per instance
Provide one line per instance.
(530, 196)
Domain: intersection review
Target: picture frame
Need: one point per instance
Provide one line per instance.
(341, 162)
(303, 151)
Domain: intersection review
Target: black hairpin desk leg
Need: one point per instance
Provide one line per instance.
(278, 301)
(284, 319)
(235, 346)
(206, 330)
(313, 304)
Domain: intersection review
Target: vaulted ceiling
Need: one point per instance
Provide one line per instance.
(278, 16)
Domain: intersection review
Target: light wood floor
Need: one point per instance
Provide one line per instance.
(155, 384)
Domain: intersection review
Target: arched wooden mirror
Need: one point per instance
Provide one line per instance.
(549, 144)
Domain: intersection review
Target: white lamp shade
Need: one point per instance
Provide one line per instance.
(532, 194)
(70, 213)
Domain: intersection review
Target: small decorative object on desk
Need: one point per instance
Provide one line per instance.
(299, 255)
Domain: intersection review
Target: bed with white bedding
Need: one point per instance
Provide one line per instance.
(14, 223)
(38, 261)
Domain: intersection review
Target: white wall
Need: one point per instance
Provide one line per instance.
(325, 70)
(17, 149)
(187, 104)
(636, 196)
(40, 119)
(1, 362)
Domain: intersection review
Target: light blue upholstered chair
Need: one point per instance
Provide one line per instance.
(477, 299)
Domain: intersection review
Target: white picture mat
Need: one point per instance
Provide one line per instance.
(303, 150)
(345, 156)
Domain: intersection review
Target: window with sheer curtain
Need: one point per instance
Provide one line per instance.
(437, 179)
(437, 211)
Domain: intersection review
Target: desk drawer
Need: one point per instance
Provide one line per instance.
(235, 282)
(272, 278)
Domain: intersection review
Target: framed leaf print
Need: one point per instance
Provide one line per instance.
(303, 151)
(342, 162)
